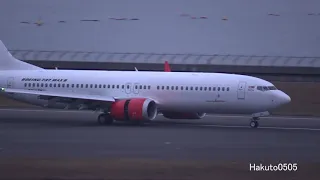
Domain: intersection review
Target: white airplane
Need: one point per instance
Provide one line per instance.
(138, 97)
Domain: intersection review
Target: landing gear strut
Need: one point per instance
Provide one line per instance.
(105, 119)
(254, 122)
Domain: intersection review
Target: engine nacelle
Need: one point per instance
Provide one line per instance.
(139, 109)
(179, 115)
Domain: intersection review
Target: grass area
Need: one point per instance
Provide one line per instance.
(9, 103)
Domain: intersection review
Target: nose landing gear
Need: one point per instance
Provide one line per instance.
(254, 122)
(255, 117)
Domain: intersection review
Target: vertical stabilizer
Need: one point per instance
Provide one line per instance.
(8, 62)
(167, 67)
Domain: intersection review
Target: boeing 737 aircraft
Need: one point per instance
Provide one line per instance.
(138, 96)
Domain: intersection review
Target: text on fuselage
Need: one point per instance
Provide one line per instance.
(44, 79)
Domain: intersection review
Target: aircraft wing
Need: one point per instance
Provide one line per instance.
(63, 95)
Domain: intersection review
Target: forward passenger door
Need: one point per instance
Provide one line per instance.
(241, 90)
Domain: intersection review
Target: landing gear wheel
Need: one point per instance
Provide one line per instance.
(254, 124)
(105, 119)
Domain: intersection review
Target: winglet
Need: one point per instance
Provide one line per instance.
(167, 67)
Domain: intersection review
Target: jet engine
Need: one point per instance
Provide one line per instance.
(179, 115)
(139, 109)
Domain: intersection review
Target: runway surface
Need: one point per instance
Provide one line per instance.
(55, 133)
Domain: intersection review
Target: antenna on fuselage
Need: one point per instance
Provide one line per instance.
(135, 69)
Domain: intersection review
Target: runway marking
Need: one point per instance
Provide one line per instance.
(290, 128)
(204, 125)
(212, 115)
(266, 117)
(280, 128)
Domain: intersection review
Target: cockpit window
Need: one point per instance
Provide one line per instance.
(272, 88)
(260, 88)
(266, 88)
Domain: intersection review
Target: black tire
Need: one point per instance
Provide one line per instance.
(254, 124)
(105, 119)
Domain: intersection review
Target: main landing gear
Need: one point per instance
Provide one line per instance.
(254, 122)
(105, 119)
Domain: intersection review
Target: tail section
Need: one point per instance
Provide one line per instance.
(8, 62)
(167, 67)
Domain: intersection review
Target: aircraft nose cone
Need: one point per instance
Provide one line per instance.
(283, 98)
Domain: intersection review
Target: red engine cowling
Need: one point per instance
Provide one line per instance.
(179, 115)
(138, 109)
